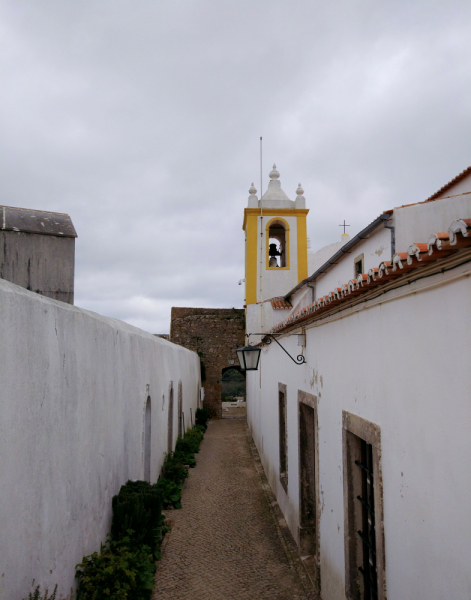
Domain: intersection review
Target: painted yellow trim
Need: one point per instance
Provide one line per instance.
(287, 245)
(251, 260)
(302, 248)
(274, 212)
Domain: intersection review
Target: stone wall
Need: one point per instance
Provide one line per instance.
(214, 333)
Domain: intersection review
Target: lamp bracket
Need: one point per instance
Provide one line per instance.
(267, 339)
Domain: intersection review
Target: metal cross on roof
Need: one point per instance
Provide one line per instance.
(344, 225)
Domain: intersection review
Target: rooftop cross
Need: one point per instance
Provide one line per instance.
(344, 225)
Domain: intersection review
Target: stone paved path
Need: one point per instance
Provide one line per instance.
(225, 542)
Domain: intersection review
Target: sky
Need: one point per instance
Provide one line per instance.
(141, 120)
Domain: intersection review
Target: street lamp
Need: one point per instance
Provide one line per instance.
(249, 357)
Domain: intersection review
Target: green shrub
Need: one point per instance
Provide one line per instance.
(36, 595)
(187, 458)
(202, 417)
(117, 572)
(189, 443)
(174, 469)
(194, 437)
(171, 492)
(138, 507)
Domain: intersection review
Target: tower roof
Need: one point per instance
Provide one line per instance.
(36, 221)
(275, 197)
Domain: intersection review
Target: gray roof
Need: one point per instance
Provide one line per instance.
(36, 221)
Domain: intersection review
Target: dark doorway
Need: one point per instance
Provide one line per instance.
(170, 419)
(308, 494)
(180, 409)
(147, 439)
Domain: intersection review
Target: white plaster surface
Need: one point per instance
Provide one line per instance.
(375, 248)
(317, 259)
(403, 364)
(73, 391)
(415, 223)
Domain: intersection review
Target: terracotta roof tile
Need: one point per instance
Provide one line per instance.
(280, 304)
(451, 183)
(439, 245)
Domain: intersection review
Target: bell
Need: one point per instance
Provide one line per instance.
(273, 251)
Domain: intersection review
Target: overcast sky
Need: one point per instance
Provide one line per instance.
(141, 120)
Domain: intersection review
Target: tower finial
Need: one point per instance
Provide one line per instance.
(300, 190)
(252, 190)
(274, 174)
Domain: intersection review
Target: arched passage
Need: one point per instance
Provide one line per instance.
(233, 383)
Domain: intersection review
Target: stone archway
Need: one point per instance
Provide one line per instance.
(214, 334)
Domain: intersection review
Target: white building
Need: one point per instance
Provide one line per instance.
(369, 437)
(86, 403)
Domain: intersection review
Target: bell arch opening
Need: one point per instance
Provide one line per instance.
(277, 244)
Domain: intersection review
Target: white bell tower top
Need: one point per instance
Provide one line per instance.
(276, 241)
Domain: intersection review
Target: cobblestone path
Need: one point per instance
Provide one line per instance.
(225, 543)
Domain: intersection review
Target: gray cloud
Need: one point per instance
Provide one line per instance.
(142, 119)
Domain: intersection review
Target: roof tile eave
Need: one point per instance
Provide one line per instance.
(417, 256)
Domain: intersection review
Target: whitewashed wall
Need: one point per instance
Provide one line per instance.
(375, 248)
(403, 364)
(416, 222)
(317, 259)
(73, 391)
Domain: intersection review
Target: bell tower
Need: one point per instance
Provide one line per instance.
(275, 241)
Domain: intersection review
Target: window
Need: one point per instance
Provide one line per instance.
(368, 532)
(277, 244)
(283, 435)
(359, 265)
(363, 509)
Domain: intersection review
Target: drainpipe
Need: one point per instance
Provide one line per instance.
(393, 238)
(261, 241)
(312, 285)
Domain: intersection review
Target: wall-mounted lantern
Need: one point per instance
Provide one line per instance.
(231, 361)
(249, 356)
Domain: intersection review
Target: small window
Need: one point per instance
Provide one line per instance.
(283, 435)
(277, 246)
(359, 265)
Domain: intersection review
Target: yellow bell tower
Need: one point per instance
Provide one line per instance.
(275, 241)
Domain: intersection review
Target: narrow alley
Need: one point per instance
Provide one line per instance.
(229, 541)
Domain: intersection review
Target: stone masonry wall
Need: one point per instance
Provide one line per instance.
(214, 333)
